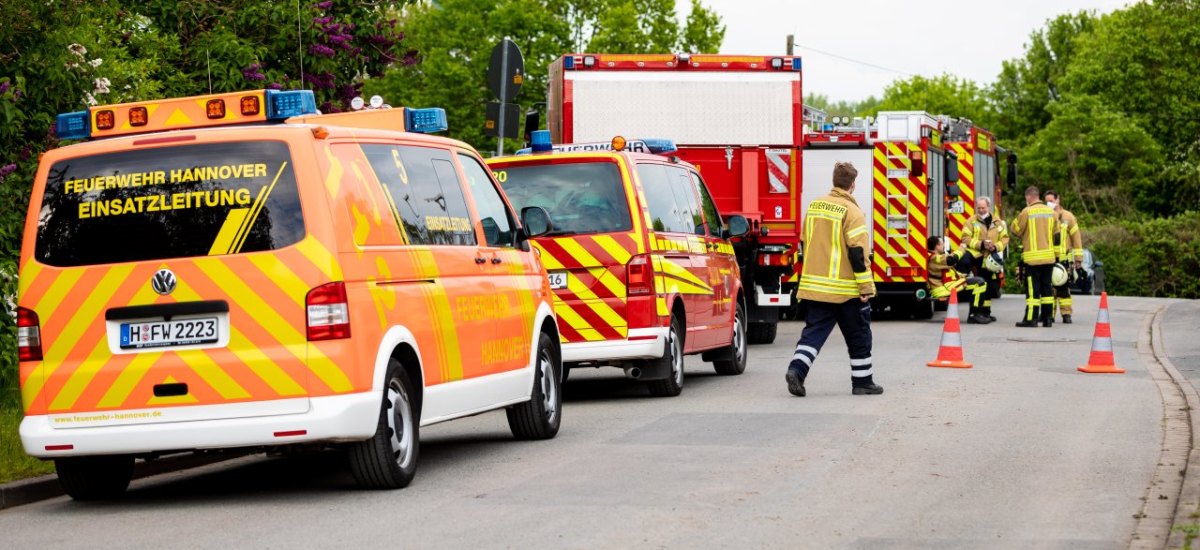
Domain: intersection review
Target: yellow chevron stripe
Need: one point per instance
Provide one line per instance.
(52, 299)
(282, 275)
(576, 250)
(333, 180)
(675, 270)
(610, 281)
(81, 317)
(27, 276)
(128, 379)
(594, 302)
(575, 321)
(274, 323)
(610, 245)
(320, 256)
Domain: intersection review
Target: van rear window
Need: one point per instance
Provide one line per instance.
(169, 202)
(582, 197)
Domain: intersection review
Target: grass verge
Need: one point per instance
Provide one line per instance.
(14, 463)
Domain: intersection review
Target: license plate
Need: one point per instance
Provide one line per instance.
(558, 279)
(158, 334)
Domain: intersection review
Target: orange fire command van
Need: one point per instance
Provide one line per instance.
(238, 270)
(639, 260)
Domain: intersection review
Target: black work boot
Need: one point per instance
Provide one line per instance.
(1027, 324)
(795, 383)
(1066, 319)
(873, 389)
(977, 319)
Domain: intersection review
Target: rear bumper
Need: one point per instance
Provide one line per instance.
(641, 343)
(328, 419)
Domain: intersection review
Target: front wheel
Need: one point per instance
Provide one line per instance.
(539, 417)
(389, 459)
(735, 354)
(672, 385)
(94, 477)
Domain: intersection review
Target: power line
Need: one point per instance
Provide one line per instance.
(844, 58)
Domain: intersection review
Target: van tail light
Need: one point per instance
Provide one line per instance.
(639, 276)
(29, 335)
(328, 312)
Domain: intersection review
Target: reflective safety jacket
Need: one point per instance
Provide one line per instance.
(1068, 245)
(1035, 226)
(975, 232)
(835, 251)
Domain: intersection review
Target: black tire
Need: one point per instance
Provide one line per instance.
(762, 333)
(388, 460)
(941, 305)
(672, 362)
(94, 477)
(735, 353)
(539, 417)
(923, 309)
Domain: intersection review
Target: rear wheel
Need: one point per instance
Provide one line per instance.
(673, 358)
(389, 459)
(94, 477)
(735, 361)
(539, 417)
(762, 333)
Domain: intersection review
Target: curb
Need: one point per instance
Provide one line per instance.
(1174, 491)
(27, 491)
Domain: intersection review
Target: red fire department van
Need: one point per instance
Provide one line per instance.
(639, 259)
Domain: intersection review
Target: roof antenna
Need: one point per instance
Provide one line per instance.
(208, 67)
(300, 41)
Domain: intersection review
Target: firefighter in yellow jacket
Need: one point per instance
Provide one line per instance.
(1068, 249)
(943, 280)
(836, 284)
(1035, 226)
(984, 235)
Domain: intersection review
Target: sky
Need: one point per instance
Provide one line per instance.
(888, 39)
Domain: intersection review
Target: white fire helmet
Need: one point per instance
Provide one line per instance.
(994, 263)
(1059, 277)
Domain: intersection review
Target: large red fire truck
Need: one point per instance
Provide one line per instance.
(738, 119)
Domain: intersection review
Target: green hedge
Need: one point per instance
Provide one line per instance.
(9, 394)
(1156, 258)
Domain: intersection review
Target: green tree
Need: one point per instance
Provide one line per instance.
(1102, 162)
(940, 95)
(1028, 84)
(703, 32)
(864, 108)
(650, 26)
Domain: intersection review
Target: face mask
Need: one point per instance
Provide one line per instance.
(1051, 204)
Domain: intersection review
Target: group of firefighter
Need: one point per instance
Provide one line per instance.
(1052, 253)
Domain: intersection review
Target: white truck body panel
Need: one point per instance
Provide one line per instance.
(818, 178)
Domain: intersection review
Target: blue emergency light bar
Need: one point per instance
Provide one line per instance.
(540, 143)
(425, 121)
(283, 104)
(75, 125)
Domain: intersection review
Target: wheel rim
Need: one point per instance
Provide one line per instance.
(676, 356)
(549, 387)
(400, 424)
(739, 339)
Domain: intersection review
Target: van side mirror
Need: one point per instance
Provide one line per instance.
(736, 226)
(536, 221)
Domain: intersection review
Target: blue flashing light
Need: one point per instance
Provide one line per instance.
(795, 63)
(425, 121)
(283, 104)
(569, 62)
(660, 146)
(540, 141)
(827, 128)
(77, 125)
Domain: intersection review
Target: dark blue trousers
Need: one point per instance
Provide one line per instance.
(854, 318)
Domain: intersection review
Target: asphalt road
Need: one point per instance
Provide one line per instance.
(1021, 451)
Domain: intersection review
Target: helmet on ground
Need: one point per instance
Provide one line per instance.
(994, 263)
(1059, 277)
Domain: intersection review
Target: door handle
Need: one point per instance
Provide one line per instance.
(496, 259)
(480, 260)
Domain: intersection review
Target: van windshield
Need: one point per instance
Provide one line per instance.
(582, 197)
(169, 202)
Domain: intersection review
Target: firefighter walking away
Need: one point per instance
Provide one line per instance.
(836, 284)
(1035, 227)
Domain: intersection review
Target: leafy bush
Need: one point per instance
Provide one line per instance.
(1157, 258)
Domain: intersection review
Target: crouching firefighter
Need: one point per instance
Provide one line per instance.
(944, 281)
(836, 284)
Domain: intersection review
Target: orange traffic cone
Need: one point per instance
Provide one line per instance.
(950, 355)
(1102, 361)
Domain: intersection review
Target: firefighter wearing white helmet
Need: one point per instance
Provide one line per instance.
(984, 238)
(1068, 247)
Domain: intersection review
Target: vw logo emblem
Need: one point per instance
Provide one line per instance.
(163, 282)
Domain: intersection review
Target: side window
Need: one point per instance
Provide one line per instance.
(493, 213)
(425, 194)
(685, 197)
(660, 198)
(712, 220)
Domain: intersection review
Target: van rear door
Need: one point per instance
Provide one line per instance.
(170, 283)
